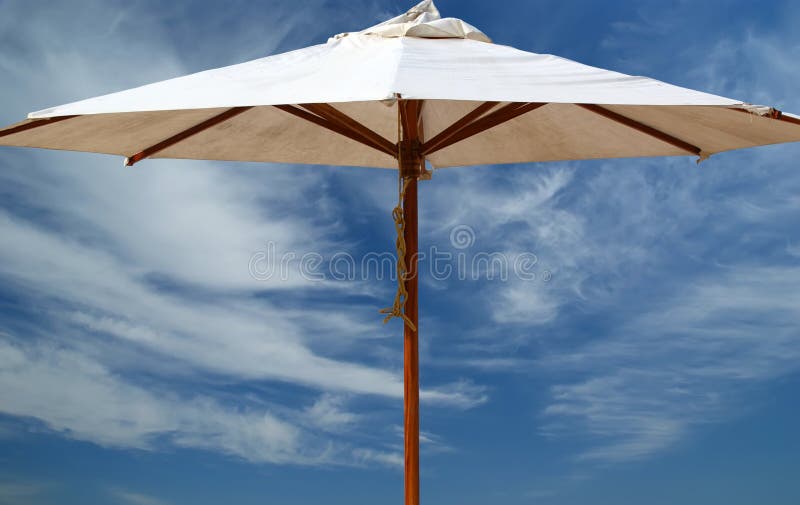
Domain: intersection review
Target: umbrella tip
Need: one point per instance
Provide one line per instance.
(703, 156)
(424, 6)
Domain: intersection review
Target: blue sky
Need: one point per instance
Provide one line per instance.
(142, 364)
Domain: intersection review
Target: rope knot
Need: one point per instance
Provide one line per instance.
(398, 307)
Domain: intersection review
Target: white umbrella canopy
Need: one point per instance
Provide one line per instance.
(526, 107)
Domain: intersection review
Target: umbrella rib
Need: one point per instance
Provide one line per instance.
(185, 134)
(498, 117)
(334, 127)
(341, 119)
(643, 128)
(459, 125)
(34, 124)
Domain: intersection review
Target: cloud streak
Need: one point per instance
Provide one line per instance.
(680, 365)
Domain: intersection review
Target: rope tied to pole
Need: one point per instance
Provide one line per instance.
(412, 167)
(398, 307)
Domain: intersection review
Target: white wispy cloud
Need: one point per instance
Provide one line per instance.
(680, 364)
(82, 399)
(328, 414)
(126, 497)
(387, 458)
(513, 218)
(230, 337)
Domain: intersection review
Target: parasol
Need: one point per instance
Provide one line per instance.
(415, 93)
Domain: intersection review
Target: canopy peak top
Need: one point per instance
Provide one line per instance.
(423, 21)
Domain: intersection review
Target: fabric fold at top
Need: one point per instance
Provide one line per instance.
(424, 21)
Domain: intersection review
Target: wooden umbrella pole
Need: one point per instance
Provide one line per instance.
(411, 347)
(411, 165)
